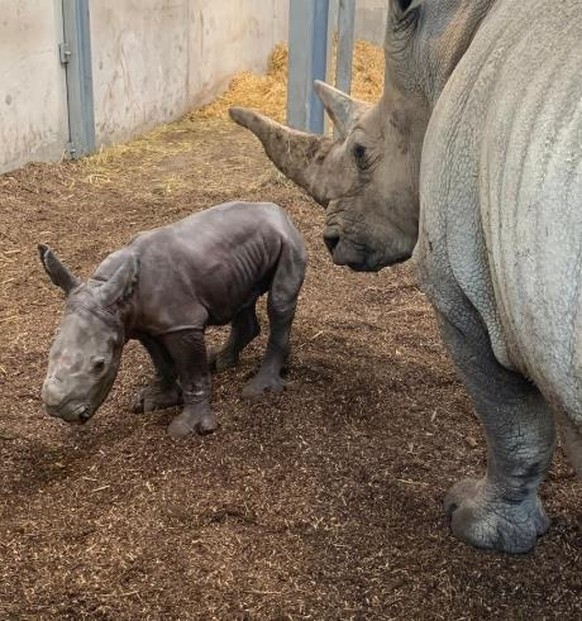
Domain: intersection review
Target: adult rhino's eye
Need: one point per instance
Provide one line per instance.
(98, 365)
(360, 155)
(404, 4)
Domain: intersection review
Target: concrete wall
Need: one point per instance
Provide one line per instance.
(152, 61)
(33, 113)
(155, 59)
(371, 20)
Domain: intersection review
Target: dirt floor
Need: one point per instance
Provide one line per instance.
(320, 503)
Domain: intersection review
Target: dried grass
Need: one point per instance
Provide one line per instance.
(267, 93)
(109, 163)
(323, 502)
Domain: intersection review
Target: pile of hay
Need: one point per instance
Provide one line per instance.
(268, 93)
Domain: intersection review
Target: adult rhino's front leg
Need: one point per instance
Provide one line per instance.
(188, 352)
(164, 391)
(502, 510)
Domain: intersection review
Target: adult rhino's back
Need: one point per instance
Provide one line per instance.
(531, 197)
(510, 123)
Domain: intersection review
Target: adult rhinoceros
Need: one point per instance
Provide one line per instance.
(473, 159)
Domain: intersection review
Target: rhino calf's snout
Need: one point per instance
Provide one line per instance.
(52, 394)
(58, 403)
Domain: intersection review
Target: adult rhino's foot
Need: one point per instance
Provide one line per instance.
(192, 420)
(221, 360)
(480, 517)
(262, 383)
(157, 396)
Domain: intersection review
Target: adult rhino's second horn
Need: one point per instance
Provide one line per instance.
(342, 109)
(298, 155)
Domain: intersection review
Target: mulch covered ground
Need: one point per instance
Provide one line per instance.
(320, 503)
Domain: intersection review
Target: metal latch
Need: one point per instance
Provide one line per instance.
(64, 53)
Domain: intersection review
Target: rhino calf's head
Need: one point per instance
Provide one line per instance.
(85, 354)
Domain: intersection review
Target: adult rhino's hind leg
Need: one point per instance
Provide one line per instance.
(281, 305)
(503, 510)
(244, 328)
(164, 391)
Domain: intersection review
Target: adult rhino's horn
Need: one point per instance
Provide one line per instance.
(298, 155)
(342, 109)
(57, 271)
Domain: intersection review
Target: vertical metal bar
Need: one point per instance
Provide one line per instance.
(332, 27)
(307, 62)
(77, 35)
(345, 46)
(319, 35)
(299, 57)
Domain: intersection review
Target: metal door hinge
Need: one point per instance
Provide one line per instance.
(71, 151)
(64, 53)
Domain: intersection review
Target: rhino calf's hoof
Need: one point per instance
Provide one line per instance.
(155, 397)
(187, 423)
(222, 360)
(262, 384)
(484, 519)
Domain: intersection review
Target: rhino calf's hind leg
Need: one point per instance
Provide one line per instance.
(244, 328)
(281, 305)
(503, 510)
(164, 391)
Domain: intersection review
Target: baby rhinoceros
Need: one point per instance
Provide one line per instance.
(163, 289)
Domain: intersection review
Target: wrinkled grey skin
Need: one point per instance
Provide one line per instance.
(163, 289)
(473, 160)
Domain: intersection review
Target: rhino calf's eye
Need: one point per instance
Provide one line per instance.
(98, 365)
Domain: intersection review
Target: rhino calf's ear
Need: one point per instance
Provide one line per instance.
(58, 273)
(122, 283)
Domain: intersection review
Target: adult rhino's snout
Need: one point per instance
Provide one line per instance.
(331, 240)
(342, 250)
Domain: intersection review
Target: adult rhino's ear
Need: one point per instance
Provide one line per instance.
(122, 284)
(58, 273)
(342, 109)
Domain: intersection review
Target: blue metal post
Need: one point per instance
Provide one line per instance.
(345, 45)
(76, 56)
(307, 62)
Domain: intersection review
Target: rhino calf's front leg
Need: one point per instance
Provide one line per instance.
(281, 305)
(502, 510)
(164, 391)
(188, 352)
(269, 379)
